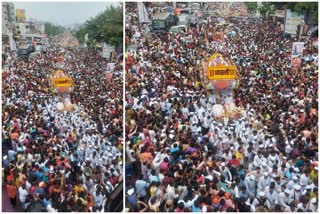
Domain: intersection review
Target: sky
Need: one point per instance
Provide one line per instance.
(63, 13)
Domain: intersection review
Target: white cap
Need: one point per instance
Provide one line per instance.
(294, 178)
(265, 174)
(130, 191)
(261, 194)
(313, 200)
(287, 191)
(5, 157)
(223, 164)
(297, 187)
(316, 168)
(296, 169)
(252, 177)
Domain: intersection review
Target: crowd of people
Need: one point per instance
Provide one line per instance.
(180, 158)
(53, 160)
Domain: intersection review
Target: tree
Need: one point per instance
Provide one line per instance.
(266, 9)
(52, 29)
(105, 27)
(252, 6)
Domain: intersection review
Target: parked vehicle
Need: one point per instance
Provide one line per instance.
(184, 19)
(194, 20)
(163, 21)
(178, 29)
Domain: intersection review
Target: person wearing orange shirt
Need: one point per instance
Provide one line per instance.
(12, 193)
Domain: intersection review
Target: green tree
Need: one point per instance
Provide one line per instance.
(266, 9)
(251, 5)
(105, 27)
(52, 29)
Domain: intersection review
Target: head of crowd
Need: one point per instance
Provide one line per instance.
(66, 161)
(181, 158)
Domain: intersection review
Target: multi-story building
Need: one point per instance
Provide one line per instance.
(8, 18)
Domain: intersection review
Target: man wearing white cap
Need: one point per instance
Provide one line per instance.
(312, 206)
(225, 171)
(263, 182)
(258, 158)
(284, 199)
(296, 192)
(304, 179)
(293, 182)
(251, 184)
(272, 195)
(303, 205)
(261, 200)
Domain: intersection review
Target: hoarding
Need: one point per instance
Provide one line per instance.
(21, 15)
(292, 21)
(107, 50)
(297, 49)
(222, 72)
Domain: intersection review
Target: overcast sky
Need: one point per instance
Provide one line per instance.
(63, 13)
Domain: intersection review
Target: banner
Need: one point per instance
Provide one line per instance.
(221, 72)
(143, 14)
(12, 43)
(110, 67)
(61, 82)
(21, 15)
(292, 21)
(220, 68)
(297, 49)
(107, 50)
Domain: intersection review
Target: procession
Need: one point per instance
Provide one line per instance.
(61, 129)
(160, 106)
(201, 137)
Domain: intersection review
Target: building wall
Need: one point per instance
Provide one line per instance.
(8, 17)
(22, 29)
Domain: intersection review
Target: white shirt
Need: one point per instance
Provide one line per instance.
(23, 193)
(263, 183)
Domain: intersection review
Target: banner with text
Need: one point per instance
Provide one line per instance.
(292, 21)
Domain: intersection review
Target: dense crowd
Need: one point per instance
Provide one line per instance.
(61, 160)
(180, 158)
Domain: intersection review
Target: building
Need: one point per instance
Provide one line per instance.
(22, 29)
(8, 18)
